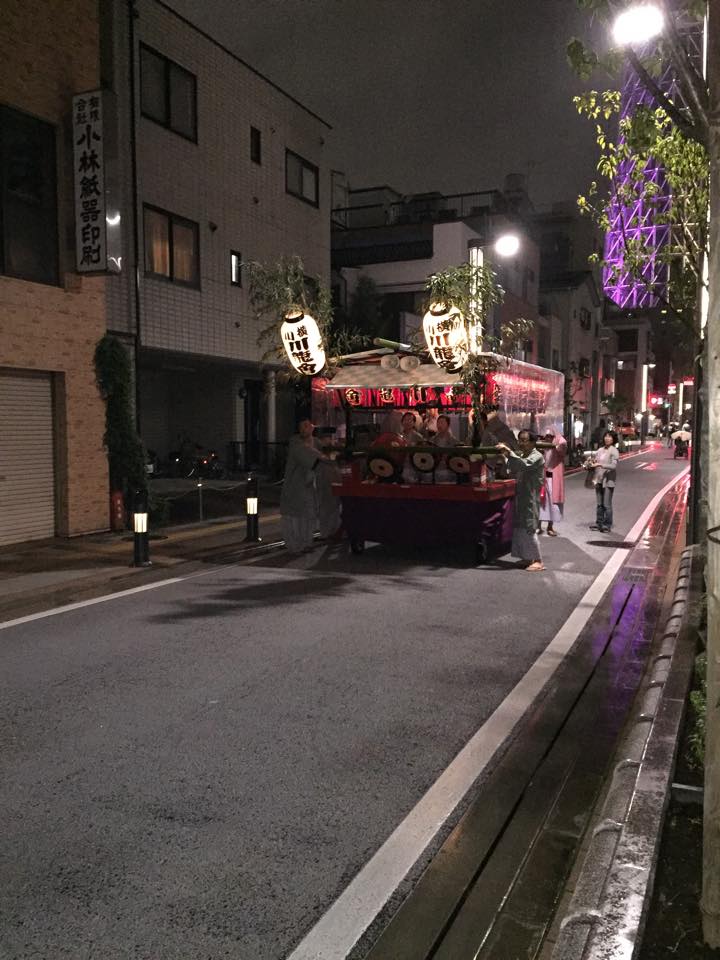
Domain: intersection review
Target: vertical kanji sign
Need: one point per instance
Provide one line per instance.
(88, 162)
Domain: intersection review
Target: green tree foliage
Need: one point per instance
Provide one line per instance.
(126, 457)
(279, 287)
(640, 141)
(474, 290)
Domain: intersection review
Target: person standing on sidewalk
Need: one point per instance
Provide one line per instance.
(553, 504)
(528, 468)
(605, 462)
(298, 508)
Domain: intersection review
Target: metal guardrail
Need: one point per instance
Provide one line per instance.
(433, 208)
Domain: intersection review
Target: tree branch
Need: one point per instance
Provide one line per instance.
(679, 119)
(694, 83)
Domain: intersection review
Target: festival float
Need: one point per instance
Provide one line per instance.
(435, 490)
(425, 495)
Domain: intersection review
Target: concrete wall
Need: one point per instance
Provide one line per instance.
(48, 54)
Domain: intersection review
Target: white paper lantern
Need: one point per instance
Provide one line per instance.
(303, 343)
(446, 336)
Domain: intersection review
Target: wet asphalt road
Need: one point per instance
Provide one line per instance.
(197, 771)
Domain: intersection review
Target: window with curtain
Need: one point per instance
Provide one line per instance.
(171, 247)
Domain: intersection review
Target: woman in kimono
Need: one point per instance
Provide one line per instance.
(528, 468)
(604, 462)
(552, 506)
(298, 507)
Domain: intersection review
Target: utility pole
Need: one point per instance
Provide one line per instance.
(710, 903)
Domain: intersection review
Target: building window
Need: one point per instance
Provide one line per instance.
(585, 318)
(301, 178)
(28, 198)
(255, 145)
(627, 341)
(171, 247)
(168, 93)
(235, 268)
(556, 359)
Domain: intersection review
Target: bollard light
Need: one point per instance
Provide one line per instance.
(251, 511)
(141, 541)
(201, 515)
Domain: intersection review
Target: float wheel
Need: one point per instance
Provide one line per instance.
(357, 546)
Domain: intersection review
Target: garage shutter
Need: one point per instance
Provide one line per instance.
(27, 475)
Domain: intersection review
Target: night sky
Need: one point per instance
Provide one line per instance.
(445, 95)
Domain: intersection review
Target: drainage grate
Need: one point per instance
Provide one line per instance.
(637, 576)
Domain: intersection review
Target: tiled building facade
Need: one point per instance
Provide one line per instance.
(229, 169)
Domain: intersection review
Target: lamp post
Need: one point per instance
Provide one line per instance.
(505, 245)
(643, 402)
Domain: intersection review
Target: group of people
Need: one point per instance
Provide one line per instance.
(540, 489)
(307, 500)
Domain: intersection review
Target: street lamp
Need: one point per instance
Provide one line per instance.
(643, 402)
(505, 245)
(638, 24)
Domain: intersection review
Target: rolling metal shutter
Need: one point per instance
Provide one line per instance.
(27, 474)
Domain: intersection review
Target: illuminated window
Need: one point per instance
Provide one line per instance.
(171, 247)
(235, 268)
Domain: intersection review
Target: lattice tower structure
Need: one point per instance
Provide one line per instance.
(638, 221)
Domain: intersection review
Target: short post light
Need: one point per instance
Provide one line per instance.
(141, 541)
(251, 511)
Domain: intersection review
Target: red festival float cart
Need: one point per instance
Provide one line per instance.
(420, 494)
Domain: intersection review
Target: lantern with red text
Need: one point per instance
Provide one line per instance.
(303, 342)
(446, 336)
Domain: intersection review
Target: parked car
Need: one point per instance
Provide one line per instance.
(627, 430)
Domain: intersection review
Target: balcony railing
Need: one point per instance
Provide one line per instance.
(425, 208)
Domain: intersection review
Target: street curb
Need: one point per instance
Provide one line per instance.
(606, 915)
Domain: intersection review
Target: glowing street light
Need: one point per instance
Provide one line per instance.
(507, 245)
(638, 24)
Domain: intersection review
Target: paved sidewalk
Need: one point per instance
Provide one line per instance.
(47, 573)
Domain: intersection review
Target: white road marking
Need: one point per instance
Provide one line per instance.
(88, 603)
(339, 929)
(641, 464)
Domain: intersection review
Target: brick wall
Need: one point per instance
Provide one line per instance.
(50, 51)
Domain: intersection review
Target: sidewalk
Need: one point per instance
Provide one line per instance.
(42, 574)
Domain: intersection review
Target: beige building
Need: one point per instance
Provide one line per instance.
(229, 168)
(53, 470)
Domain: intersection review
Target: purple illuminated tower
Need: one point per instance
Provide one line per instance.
(638, 221)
